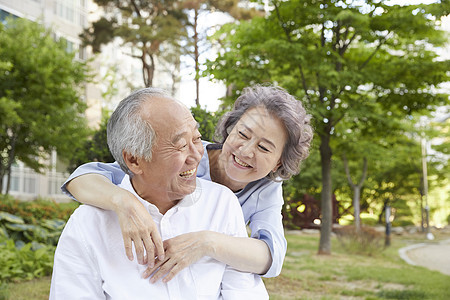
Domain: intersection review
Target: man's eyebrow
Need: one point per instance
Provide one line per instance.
(177, 137)
(262, 138)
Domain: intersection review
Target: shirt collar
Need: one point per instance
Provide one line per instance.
(187, 201)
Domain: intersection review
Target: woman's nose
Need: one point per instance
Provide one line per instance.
(247, 149)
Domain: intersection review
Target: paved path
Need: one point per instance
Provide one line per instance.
(434, 256)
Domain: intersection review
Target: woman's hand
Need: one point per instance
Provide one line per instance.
(139, 228)
(180, 252)
(135, 221)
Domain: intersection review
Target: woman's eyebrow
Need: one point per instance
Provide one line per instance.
(262, 138)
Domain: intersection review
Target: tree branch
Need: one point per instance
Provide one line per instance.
(363, 177)
(305, 87)
(381, 42)
(136, 8)
(347, 172)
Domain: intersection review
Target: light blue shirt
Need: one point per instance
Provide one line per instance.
(261, 203)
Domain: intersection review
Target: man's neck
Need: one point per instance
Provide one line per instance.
(156, 195)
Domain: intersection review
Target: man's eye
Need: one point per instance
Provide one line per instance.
(243, 135)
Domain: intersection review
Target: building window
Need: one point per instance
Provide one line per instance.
(82, 53)
(5, 14)
(29, 185)
(65, 10)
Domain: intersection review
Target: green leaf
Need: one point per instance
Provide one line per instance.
(4, 216)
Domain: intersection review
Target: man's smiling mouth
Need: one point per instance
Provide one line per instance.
(189, 173)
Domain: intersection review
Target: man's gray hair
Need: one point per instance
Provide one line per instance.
(288, 110)
(128, 131)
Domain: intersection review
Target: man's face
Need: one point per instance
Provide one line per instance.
(171, 173)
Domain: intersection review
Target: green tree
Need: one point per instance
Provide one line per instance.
(40, 105)
(356, 61)
(148, 27)
(94, 148)
(207, 122)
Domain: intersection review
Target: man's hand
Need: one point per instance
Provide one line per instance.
(180, 252)
(139, 228)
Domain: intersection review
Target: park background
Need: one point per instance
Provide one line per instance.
(374, 75)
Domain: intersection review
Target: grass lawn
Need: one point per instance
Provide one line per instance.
(338, 276)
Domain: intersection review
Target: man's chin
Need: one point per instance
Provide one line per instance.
(187, 190)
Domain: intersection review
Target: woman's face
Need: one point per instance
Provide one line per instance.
(254, 146)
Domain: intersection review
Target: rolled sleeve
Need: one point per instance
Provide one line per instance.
(112, 171)
(266, 224)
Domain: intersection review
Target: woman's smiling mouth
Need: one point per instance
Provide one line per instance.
(240, 162)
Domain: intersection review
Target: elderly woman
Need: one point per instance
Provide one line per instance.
(264, 139)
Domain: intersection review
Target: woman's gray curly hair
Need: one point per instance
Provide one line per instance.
(288, 110)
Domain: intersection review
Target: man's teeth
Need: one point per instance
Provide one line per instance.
(240, 162)
(188, 173)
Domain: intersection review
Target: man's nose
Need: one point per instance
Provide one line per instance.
(195, 152)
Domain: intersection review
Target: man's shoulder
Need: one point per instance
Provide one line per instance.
(212, 187)
(217, 197)
(87, 214)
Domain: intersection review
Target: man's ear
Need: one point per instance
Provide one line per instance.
(132, 163)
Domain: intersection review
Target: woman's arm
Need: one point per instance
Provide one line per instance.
(266, 224)
(135, 222)
(242, 253)
(262, 254)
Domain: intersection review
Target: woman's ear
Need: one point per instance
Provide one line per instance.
(277, 166)
(132, 162)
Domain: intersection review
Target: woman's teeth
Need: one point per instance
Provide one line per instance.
(187, 174)
(240, 162)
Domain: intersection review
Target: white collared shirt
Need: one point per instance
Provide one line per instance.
(90, 260)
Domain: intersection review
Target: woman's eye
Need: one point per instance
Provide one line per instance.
(263, 148)
(242, 135)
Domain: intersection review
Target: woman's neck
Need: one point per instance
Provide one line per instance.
(217, 171)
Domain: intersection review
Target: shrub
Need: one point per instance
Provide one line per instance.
(367, 242)
(33, 212)
(26, 262)
(402, 221)
(47, 232)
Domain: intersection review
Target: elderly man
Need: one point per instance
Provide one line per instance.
(156, 142)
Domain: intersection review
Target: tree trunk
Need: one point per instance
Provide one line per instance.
(356, 207)
(11, 156)
(326, 205)
(148, 69)
(196, 58)
(2, 173)
(356, 191)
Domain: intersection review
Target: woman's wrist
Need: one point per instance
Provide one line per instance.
(121, 199)
(210, 241)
